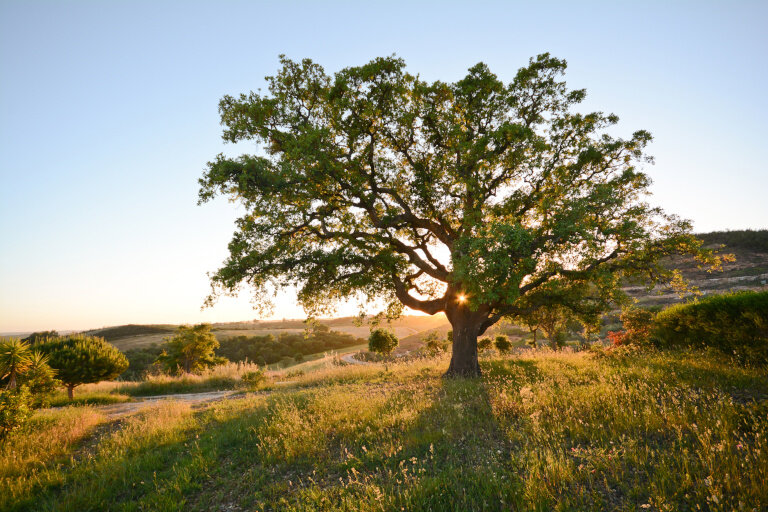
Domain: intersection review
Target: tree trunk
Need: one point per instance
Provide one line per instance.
(71, 391)
(466, 329)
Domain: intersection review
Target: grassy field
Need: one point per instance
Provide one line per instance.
(539, 431)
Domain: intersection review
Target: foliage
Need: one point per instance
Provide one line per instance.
(15, 409)
(39, 336)
(191, 350)
(142, 362)
(80, 359)
(484, 344)
(40, 378)
(254, 378)
(617, 338)
(754, 240)
(269, 349)
(15, 359)
(382, 341)
(735, 323)
(502, 344)
(369, 176)
(20, 365)
(637, 323)
(434, 343)
(577, 308)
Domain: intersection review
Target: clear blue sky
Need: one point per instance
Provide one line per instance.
(108, 113)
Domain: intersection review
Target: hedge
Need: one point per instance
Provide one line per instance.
(735, 323)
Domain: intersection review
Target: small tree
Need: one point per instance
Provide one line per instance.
(382, 342)
(434, 343)
(191, 350)
(80, 359)
(502, 344)
(19, 365)
(15, 358)
(40, 378)
(484, 344)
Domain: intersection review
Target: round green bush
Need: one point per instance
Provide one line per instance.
(735, 323)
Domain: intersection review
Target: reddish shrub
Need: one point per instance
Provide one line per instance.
(617, 338)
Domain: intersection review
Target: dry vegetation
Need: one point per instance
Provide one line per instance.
(541, 431)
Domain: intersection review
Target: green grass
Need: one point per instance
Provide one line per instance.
(220, 378)
(539, 431)
(60, 399)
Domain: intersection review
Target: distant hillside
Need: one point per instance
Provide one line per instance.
(748, 239)
(748, 272)
(124, 331)
(127, 337)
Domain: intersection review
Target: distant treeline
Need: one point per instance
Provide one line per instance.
(269, 349)
(123, 331)
(754, 240)
(262, 350)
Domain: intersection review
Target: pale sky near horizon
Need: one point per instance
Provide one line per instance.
(108, 114)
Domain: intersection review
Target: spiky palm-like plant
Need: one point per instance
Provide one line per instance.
(15, 359)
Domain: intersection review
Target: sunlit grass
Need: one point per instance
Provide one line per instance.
(61, 399)
(539, 431)
(32, 458)
(224, 377)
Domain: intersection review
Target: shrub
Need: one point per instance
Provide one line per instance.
(735, 323)
(254, 378)
(502, 344)
(15, 409)
(434, 344)
(142, 362)
(484, 344)
(40, 379)
(80, 359)
(617, 338)
(382, 342)
(637, 323)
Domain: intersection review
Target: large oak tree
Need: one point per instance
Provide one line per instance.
(477, 198)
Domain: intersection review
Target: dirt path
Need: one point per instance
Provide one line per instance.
(123, 409)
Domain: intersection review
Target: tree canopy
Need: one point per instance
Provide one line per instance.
(191, 350)
(382, 341)
(479, 198)
(80, 359)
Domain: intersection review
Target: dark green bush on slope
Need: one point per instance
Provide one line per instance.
(735, 323)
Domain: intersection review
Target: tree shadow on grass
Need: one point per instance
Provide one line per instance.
(432, 444)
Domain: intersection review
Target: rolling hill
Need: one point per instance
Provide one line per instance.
(749, 271)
